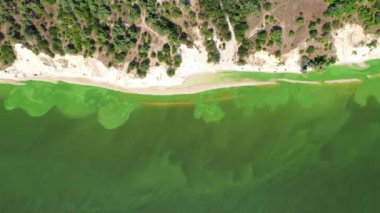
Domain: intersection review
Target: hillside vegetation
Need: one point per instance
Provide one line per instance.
(143, 33)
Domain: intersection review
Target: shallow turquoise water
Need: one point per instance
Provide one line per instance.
(288, 148)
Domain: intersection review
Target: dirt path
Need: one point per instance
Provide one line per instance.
(144, 26)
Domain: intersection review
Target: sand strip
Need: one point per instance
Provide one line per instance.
(350, 44)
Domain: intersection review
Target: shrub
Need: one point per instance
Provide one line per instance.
(278, 53)
(291, 33)
(171, 71)
(177, 60)
(312, 26)
(267, 6)
(1, 36)
(310, 50)
(261, 39)
(276, 35)
(313, 33)
(300, 21)
(7, 55)
(326, 29)
(134, 13)
(335, 24)
(372, 44)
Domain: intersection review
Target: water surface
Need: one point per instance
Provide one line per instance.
(286, 148)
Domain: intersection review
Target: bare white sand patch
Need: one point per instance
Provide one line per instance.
(195, 59)
(351, 44)
(8, 81)
(89, 71)
(28, 66)
(229, 53)
(161, 1)
(343, 81)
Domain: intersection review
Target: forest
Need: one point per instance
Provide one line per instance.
(113, 30)
(121, 31)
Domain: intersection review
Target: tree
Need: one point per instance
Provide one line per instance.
(243, 51)
(261, 39)
(291, 33)
(177, 60)
(313, 33)
(49, 1)
(7, 55)
(312, 26)
(240, 30)
(1, 36)
(310, 50)
(134, 13)
(276, 35)
(171, 71)
(267, 6)
(372, 44)
(326, 29)
(300, 21)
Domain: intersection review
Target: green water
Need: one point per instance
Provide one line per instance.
(285, 148)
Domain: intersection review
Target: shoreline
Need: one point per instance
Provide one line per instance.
(89, 71)
(182, 90)
(157, 91)
(186, 88)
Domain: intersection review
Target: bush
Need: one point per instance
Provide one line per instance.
(134, 13)
(310, 50)
(261, 39)
(300, 21)
(7, 55)
(177, 60)
(240, 29)
(372, 44)
(291, 33)
(267, 6)
(313, 33)
(276, 35)
(318, 63)
(350, 9)
(278, 53)
(367, 16)
(312, 26)
(170, 72)
(1, 36)
(213, 55)
(142, 69)
(305, 62)
(326, 29)
(335, 24)
(243, 51)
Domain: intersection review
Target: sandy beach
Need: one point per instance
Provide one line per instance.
(350, 45)
(343, 81)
